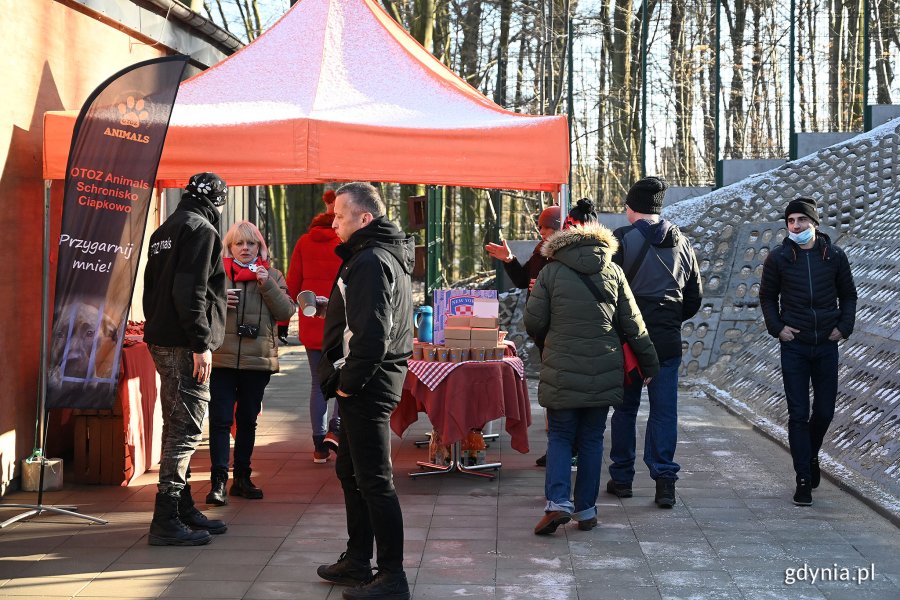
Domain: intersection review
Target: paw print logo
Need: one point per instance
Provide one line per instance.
(132, 112)
(204, 188)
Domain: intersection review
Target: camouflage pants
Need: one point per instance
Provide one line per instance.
(184, 406)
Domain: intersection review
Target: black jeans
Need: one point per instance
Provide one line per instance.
(801, 364)
(184, 405)
(230, 386)
(363, 466)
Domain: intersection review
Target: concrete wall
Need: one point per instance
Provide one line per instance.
(879, 114)
(678, 193)
(732, 171)
(857, 187)
(809, 142)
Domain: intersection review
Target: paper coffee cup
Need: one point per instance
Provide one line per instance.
(236, 292)
(307, 301)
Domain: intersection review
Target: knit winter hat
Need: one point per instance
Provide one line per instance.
(328, 197)
(804, 206)
(550, 218)
(583, 212)
(208, 186)
(646, 196)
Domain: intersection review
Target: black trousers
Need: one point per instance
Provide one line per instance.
(363, 466)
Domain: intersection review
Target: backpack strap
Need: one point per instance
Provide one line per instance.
(633, 269)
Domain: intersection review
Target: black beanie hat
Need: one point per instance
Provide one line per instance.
(583, 212)
(646, 196)
(804, 206)
(209, 186)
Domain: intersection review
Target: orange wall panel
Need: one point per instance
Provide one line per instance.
(52, 57)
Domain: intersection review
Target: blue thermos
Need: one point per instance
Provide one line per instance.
(424, 324)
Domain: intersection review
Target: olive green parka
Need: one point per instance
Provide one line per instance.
(582, 361)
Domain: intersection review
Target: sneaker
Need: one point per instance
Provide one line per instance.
(622, 490)
(283, 339)
(541, 461)
(384, 586)
(331, 441)
(587, 524)
(815, 474)
(803, 495)
(551, 521)
(665, 493)
(346, 571)
(320, 457)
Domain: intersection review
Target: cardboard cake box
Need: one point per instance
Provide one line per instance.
(484, 322)
(489, 336)
(462, 304)
(458, 321)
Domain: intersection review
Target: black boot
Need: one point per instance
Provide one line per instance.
(384, 586)
(665, 493)
(167, 529)
(346, 571)
(218, 478)
(195, 519)
(242, 485)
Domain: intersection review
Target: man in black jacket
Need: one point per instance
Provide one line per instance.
(184, 304)
(366, 343)
(664, 276)
(808, 300)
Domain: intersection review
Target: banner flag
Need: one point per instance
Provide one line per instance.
(115, 152)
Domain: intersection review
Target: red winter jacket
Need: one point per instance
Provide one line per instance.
(314, 266)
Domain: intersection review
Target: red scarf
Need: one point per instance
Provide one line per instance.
(238, 273)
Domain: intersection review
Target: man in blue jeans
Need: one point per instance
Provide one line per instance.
(808, 300)
(366, 343)
(184, 303)
(662, 270)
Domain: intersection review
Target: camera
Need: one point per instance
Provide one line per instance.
(248, 331)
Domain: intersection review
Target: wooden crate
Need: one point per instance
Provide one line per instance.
(100, 450)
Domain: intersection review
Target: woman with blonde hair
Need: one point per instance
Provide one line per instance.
(243, 364)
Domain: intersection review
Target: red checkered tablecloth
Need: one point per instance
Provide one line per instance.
(431, 374)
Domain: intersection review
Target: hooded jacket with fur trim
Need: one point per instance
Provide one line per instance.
(582, 361)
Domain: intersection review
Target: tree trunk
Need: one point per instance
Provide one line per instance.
(621, 93)
(836, 34)
(737, 20)
(682, 81)
(503, 52)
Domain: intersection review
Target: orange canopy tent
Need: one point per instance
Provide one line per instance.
(338, 91)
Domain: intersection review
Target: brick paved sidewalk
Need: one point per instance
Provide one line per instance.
(733, 534)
